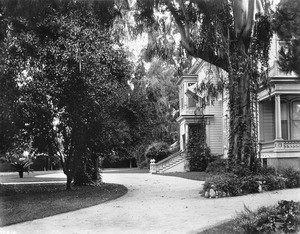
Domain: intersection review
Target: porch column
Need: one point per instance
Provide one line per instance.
(187, 133)
(277, 118)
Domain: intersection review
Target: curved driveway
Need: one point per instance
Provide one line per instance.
(153, 204)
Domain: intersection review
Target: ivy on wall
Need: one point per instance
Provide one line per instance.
(197, 150)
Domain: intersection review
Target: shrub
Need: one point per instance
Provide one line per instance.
(197, 150)
(240, 169)
(292, 177)
(283, 218)
(144, 165)
(266, 171)
(272, 182)
(218, 166)
(198, 161)
(228, 183)
(250, 184)
(158, 151)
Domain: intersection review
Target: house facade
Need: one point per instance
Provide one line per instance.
(214, 114)
(278, 117)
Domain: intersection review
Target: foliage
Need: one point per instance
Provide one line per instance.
(286, 23)
(21, 154)
(266, 170)
(228, 183)
(157, 151)
(292, 177)
(71, 79)
(198, 152)
(226, 36)
(282, 218)
(149, 110)
(218, 166)
(239, 180)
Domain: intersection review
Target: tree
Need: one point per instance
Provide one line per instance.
(151, 106)
(286, 24)
(224, 34)
(72, 77)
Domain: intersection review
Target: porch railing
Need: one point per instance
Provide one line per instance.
(288, 145)
(280, 145)
(167, 163)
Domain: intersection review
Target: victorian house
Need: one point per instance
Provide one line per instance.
(278, 117)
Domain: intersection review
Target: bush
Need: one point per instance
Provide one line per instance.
(217, 167)
(266, 171)
(157, 151)
(198, 161)
(144, 165)
(240, 170)
(283, 218)
(292, 177)
(250, 184)
(272, 182)
(197, 150)
(228, 183)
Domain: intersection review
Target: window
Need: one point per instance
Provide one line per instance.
(191, 100)
(284, 120)
(295, 120)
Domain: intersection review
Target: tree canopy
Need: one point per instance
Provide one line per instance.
(232, 35)
(286, 24)
(70, 77)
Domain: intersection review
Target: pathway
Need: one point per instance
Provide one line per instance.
(153, 204)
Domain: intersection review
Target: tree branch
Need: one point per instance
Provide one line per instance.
(184, 31)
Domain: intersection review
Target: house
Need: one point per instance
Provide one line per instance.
(278, 118)
(214, 114)
(214, 117)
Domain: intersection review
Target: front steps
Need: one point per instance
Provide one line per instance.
(174, 163)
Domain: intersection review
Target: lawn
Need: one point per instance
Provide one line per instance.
(21, 201)
(24, 202)
(224, 228)
(193, 175)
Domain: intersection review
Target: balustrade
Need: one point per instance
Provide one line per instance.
(166, 163)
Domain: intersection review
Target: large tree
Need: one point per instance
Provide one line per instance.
(72, 77)
(227, 34)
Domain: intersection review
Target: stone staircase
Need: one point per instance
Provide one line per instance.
(174, 163)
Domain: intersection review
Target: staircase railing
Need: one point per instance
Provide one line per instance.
(167, 163)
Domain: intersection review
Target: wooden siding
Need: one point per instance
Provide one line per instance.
(215, 128)
(267, 131)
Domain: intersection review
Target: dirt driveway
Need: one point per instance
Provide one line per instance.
(153, 204)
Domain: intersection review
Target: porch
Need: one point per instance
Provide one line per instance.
(279, 125)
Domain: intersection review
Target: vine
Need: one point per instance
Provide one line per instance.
(248, 71)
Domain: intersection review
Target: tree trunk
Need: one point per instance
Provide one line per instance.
(21, 174)
(242, 149)
(69, 182)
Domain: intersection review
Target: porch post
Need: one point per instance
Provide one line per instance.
(186, 133)
(277, 118)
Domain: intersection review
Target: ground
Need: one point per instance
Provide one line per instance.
(153, 204)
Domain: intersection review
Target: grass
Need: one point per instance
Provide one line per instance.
(224, 228)
(194, 175)
(25, 202)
